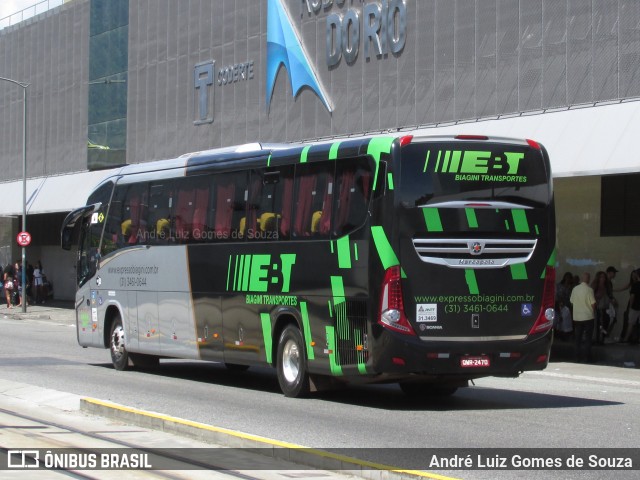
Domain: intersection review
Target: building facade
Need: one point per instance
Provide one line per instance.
(129, 81)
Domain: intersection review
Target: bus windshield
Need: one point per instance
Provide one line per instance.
(446, 172)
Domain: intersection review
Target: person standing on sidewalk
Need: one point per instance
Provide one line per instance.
(584, 304)
(634, 309)
(7, 279)
(600, 291)
(38, 284)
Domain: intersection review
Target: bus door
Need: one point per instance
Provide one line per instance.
(476, 233)
(85, 221)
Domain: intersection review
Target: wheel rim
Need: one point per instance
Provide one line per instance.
(117, 342)
(291, 361)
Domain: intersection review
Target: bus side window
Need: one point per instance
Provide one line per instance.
(134, 224)
(270, 203)
(191, 211)
(287, 203)
(313, 200)
(353, 178)
(229, 206)
(113, 239)
(159, 223)
(223, 210)
(184, 207)
(251, 227)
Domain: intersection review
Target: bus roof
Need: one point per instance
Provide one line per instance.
(349, 145)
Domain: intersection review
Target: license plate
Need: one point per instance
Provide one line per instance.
(475, 362)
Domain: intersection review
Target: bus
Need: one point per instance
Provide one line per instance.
(426, 261)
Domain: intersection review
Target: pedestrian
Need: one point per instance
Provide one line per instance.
(7, 280)
(563, 289)
(612, 311)
(564, 326)
(29, 294)
(584, 304)
(38, 284)
(634, 309)
(602, 290)
(633, 278)
(17, 283)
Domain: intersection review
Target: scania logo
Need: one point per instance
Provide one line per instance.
(475, 248)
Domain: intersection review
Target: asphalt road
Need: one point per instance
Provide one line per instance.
(567, 406)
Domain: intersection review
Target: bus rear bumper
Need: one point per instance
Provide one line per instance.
(397, 355)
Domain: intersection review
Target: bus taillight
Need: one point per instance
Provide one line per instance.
(406, 140)
(534, 144)
(547, 310)
(391, 304)
(471, 137)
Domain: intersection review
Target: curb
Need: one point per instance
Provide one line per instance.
(310, 457)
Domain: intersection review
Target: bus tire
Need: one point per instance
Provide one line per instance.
(427, 390)
(119, 354)
(293, 376)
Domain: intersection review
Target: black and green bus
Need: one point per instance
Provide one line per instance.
(422, 260)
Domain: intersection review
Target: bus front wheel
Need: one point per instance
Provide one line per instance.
(119, 354)
(292, 363)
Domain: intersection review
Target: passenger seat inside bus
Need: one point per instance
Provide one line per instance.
(315, 221)
(268, 222)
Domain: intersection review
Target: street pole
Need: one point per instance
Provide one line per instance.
(24, 185)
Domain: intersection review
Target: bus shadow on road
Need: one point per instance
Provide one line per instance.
(389, 397)
(255, 378)
(381, 396)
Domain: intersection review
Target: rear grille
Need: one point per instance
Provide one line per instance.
(351, 333)
(475, 253)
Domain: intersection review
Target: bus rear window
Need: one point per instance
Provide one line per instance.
(448, 172)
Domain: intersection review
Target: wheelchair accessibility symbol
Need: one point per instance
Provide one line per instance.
(526, 310)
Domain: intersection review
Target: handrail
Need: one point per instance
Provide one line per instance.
(36, 9)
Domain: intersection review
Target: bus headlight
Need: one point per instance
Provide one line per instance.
(550, 314)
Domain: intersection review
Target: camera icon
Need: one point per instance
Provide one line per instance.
(23, 459)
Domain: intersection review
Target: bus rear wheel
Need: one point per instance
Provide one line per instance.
(119, 354)
(292, 363)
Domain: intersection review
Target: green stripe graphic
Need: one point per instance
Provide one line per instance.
(245, 273)
(472, 220)
(519, 271)
(344, 252)
(266, 334)
(229, 271)
(307, 330)
(359, 353)
(377, 146)
(520, 221)
(432, 219)
(333, 151)
(470, 277)
(385, 252)
(331, 341)
(426, 161)
(305, 154)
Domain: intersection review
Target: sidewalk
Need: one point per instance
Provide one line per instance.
(55, 310)
(613, 354)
